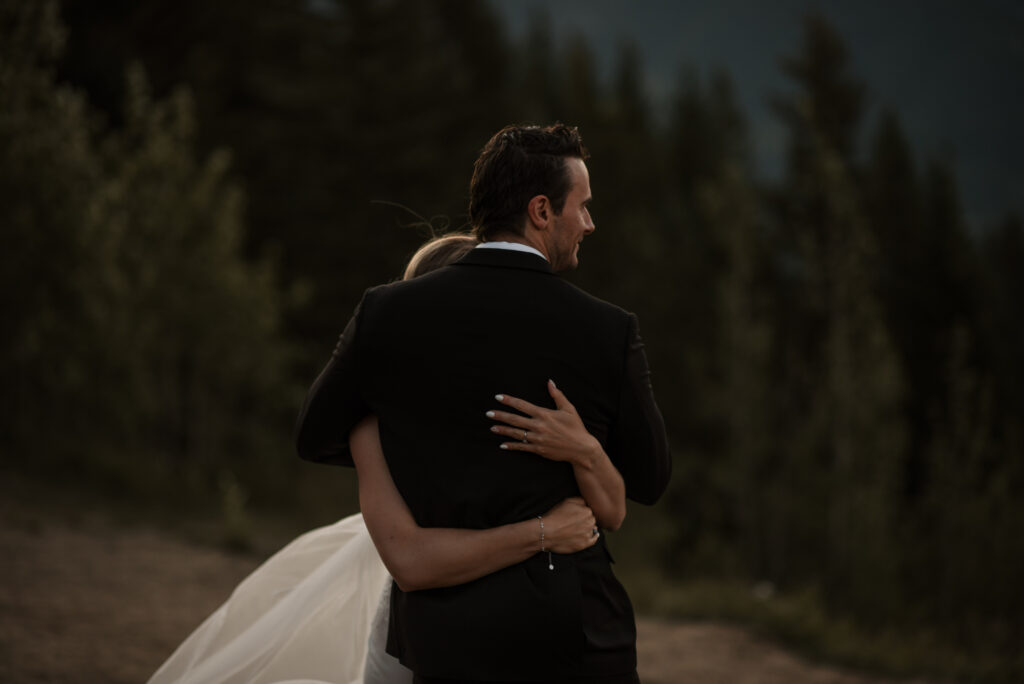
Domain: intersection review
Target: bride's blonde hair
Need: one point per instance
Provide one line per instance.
(438, 252)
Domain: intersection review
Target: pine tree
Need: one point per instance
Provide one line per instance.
(844, 384)
(537, 87)
(48, 170)
(148, 346)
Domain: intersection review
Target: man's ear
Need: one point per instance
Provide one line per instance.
(539, 211)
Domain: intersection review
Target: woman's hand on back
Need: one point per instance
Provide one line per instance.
(559, 435)
(556, 434)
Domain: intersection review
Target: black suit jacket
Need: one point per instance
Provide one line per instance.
(427, 357)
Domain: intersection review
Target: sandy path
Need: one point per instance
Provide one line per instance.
(96, 603)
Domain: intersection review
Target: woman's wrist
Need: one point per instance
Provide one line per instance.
(528, 534)
(588, 455)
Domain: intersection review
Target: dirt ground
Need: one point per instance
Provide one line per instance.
(91, 601)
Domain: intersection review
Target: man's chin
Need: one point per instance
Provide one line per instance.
(569, 264)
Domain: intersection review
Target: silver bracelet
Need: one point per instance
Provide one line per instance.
(551, 564)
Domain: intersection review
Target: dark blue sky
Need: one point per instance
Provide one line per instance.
(952, 69)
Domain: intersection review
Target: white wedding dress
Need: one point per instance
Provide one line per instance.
(315, 612)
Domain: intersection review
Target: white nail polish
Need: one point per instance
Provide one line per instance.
(490, 414)
(552, 383)
(503, 446)
(499, 397)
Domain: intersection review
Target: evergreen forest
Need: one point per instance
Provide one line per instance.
(194, 195)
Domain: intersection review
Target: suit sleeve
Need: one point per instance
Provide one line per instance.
(638, 444)
(334, 404)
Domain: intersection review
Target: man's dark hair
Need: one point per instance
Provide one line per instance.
(517, 164)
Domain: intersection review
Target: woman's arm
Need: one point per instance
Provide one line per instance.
(560, 435)
(429, 557)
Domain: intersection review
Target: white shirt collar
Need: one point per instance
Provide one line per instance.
(514, 246)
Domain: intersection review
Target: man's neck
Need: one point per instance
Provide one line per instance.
(520, 240)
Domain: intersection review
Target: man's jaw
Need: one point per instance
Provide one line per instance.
(574, 257)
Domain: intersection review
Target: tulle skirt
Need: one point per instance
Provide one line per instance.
(306, 615)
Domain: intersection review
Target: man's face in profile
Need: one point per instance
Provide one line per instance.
(574, 222)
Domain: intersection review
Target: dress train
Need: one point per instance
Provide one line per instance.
(304, 616)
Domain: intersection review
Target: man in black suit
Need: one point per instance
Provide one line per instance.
(427, 356)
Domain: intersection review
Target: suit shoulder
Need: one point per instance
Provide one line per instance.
(399, 295)
(396, 289)
(597, 305)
